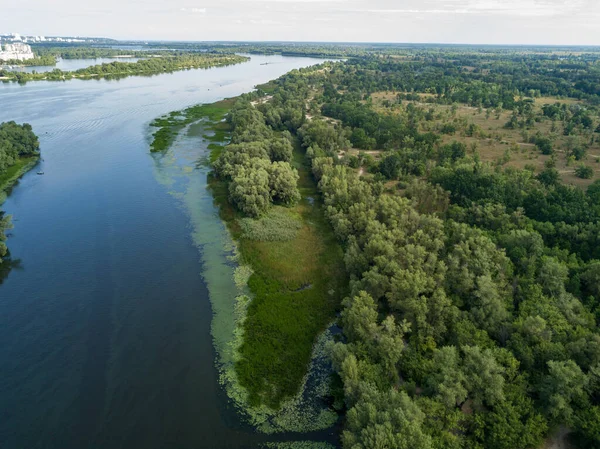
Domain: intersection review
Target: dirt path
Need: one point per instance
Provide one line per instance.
(558, 440)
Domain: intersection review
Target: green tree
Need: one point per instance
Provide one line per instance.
(563, 390)
(5, 225)
(249, 190)
(385, 421)
(584, 172)
(283, 180)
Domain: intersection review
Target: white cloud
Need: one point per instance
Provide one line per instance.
(194, 10)
(527, 8)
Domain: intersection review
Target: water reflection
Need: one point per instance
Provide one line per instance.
(7, 265)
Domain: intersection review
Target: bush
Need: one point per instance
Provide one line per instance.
(584, 172)
(544, 145)
(278, 225)
(448, 128)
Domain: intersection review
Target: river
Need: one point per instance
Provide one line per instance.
(105, 321)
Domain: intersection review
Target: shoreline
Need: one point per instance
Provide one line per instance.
(301, 412)
(10, 181)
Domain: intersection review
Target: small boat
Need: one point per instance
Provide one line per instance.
(40, 173)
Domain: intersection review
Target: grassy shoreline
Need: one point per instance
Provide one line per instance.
(13, 173)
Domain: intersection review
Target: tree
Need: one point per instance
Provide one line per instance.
(484, 375)
(563, 389)
(249, 190)
(283, 181)
(552, 276)
(514, 423)
(388, 420)
(544, 144)
(5, 224)
(448, 383)
(280, 150)
(584, 172)
(391, 166)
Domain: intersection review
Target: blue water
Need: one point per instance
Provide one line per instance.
(105, 326)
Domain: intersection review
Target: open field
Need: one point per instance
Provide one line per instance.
(493, 141)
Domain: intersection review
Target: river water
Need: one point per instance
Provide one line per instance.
(105, 321)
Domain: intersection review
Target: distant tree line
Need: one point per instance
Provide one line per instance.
(117, 69)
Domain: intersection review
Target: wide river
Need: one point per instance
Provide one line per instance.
(105, 321)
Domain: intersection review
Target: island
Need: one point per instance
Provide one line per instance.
(164, 63)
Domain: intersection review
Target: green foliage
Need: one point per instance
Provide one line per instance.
(249, 190)
(16, 141)
(563, 389)
(584, 172)
(389, 420)
(170, 125)
(470, 315)
(5, 225)
(278, 225)
(282, 182)
(297, 275)
(19, 147)
(470, 289)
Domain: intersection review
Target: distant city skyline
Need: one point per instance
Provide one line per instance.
(510, 22)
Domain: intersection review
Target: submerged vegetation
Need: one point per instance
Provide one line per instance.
(153, 65)
(169, 126)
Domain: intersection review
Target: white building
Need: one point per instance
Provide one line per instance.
(18, 52)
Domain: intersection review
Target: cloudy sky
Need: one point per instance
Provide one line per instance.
(435, 21)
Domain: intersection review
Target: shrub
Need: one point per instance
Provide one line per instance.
(584, 172)
(277, 226)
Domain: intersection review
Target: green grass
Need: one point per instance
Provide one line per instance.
(169, 125)
(12, 173)
(268, 88)
(297, 286)
(278, 225)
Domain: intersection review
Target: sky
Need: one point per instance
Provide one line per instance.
(551, 22)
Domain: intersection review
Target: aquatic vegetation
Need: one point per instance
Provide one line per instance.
(171, 124)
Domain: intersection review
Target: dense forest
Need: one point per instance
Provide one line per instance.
(463, 189)
(150, 66)
(18, 144)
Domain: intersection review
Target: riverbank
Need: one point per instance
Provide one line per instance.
(278, 373)
(14, 172)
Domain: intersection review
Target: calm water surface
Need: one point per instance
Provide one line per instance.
(105, 326)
